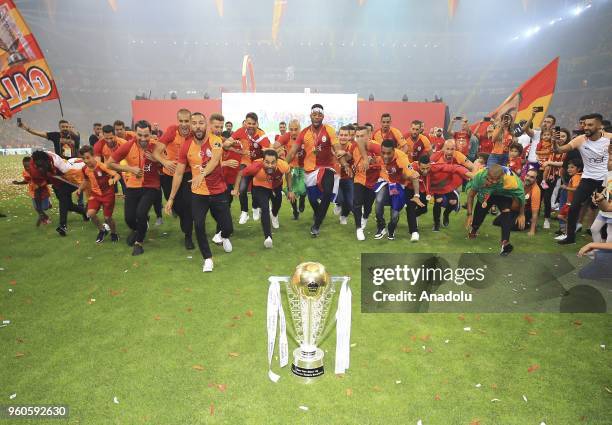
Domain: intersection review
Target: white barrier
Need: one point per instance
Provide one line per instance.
(16, 151)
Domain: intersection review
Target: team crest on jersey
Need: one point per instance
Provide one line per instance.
(99, 173)
(208, 153)
(323, 139)
(392, 170)
(147, 168)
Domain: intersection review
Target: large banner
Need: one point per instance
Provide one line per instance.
(25, 78)
(272, 108)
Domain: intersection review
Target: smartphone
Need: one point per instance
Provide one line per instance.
(557, 129)
(458, 118)
(18, 121)
(487, 119)
(539, 109)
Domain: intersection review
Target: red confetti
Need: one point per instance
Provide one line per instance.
(528, 318)
(533, 368)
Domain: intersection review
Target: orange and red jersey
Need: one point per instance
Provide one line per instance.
(197, 156)
(134, 155)
(485, 144)
(573, 184)
(444, 177)
(516, 164)
(533, 197)
(104, 150)
(349, 148)
(317, 145)
(398, 168)
(458, 158)
(376, 170)
(253, 146)
(286, 141)
(393, 134)
(263, 179)
(543, 151)
(437, 142)
(98, 178)
(230, 173)
(502, 146)
(419, 147)
(173, 140)
(32, 187)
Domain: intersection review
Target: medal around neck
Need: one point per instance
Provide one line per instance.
(310, 293)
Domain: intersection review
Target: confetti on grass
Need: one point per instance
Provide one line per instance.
(304, 408)
(12, 396)
(115, 400)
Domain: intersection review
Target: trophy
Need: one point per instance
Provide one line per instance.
(310, 294)
(9, 38)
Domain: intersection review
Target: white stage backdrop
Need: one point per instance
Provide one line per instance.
(272, 108)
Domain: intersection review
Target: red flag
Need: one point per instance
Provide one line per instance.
(537, 91)
(25, 78)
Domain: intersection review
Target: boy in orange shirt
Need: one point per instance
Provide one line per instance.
(99, 181)
(39, 194)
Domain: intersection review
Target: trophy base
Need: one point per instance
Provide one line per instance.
(307, 366)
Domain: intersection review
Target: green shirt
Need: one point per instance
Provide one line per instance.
(510, 185)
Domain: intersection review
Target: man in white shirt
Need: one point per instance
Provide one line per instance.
(594, 147)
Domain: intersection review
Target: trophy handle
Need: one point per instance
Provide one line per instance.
(337, 282)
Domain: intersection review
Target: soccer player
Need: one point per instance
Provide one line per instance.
(203, 154)
(532, 204)
(418, 144)
(344, 201)
(253, 141)
(413, 210)
(65, 176)
(230, 164)
(399, 174)
(98, 181)
(386, 131)
(594, 147)
(267, 176)
(369, 169)
(166, 152)
(499, 186)
(437, 139)
(320, 145)
(142, 180)
(284, 145)
(66, 141)
(39, 194)
(107, 144)
(282, 129)
(450, 199)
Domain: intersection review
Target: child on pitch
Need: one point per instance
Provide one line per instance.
(39, 193)
(98, 181)
(574, 172)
